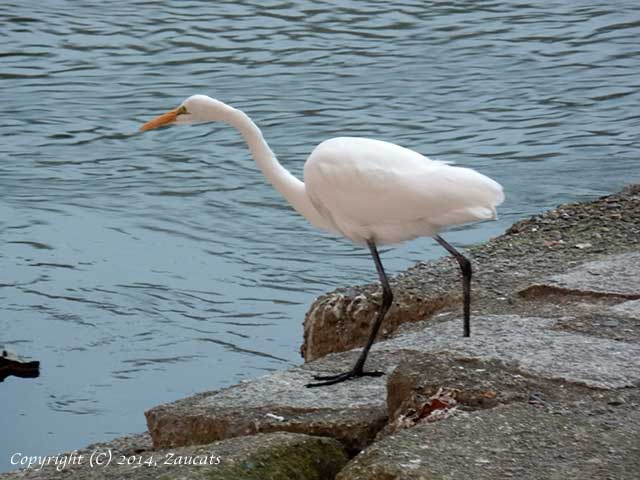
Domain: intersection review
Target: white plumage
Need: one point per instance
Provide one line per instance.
(373, 190)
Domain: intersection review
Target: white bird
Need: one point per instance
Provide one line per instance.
(369, 191)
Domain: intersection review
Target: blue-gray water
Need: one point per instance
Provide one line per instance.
(143, 268)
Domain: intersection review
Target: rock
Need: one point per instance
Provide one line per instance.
(354, 412)
(518, 440)
(532, 346)
(13, 364)
(629, 309)
(616, 275)
(342, 320)
(351, 412)
(275, 456)
(477, 384)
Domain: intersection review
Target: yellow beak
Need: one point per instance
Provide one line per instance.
(164, 119)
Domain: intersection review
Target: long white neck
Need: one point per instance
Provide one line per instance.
(292, 189)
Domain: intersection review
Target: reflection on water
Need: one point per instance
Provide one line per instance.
(143, 268)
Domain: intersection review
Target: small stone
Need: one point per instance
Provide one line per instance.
(536, 399)
(610, 323)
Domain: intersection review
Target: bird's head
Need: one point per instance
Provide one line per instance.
(195, 109)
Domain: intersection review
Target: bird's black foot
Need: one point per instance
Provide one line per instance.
(341, 377)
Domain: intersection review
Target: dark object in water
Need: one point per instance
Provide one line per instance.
(11, 365)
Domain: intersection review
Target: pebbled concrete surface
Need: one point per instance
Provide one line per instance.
(629, 309)
(351, 412)
(616, 275)
(277, 456)
(354, 412)
(533, 346)
(510, 441)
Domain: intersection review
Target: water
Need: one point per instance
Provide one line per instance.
(143, 268)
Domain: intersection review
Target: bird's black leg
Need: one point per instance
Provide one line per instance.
(358, 368)
(465, 267)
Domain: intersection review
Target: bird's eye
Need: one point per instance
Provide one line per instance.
(182, 110)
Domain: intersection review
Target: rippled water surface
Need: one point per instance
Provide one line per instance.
(143, 268)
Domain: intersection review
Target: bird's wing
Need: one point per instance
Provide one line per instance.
(368, 184)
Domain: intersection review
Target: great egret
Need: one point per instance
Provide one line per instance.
(369, 191)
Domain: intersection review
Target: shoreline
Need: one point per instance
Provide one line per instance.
(554, 352)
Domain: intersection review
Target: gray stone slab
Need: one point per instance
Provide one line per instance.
(354, 411)
(629, 309)
(275, 456)
(351, 412)
(531, 345)
(514, 441)
(616, 275)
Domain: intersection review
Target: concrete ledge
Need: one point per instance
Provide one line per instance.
(511, 441)
(531, 345)
(354, 412)
(277, 456)
(617, 276)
